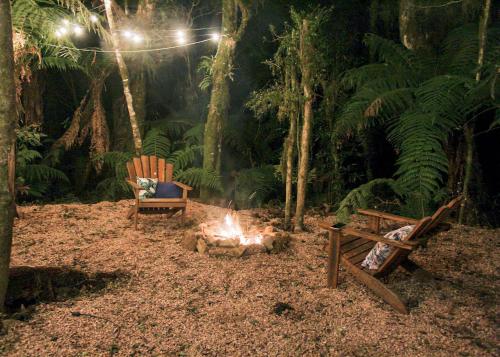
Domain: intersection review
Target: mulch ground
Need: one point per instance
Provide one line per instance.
(84, 283)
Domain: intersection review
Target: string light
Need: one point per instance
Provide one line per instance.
(93, 18)
(127, 33)
(215, 37)
(181, 37)
(137, 38)
(77, 30)
(129, 51)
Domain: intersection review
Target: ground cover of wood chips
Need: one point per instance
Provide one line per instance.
(84, 283)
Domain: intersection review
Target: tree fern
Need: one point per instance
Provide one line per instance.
(364, 196)
(418, 106)
(156, 142)
(199, 177)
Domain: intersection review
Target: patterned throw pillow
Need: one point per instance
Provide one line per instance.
(149, 186)
(381, 251)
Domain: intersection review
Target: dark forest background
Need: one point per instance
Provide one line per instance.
(172, 91)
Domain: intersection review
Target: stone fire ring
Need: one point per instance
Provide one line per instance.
(203, 242)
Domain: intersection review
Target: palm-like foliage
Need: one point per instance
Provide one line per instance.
(165, 140)
(420, 100)
(33, 175)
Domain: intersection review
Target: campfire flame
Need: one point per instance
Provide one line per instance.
(231, 229)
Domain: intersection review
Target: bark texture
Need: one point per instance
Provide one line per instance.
(232, 30)
(469, 127)
(7, 141)
(306, 53)
(136, 133)
(291, 108)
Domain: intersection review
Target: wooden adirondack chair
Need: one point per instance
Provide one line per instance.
(350, 247)
(153, 167)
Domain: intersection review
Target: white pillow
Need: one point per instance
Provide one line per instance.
(149, 186)
(381, 251)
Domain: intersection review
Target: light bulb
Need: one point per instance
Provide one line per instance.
(127, 34)
(62, 31)
(215, 37)
(93, 18)
(77, 30)
(65, 22)
(58, 34)
(136, 38)
(181, 37)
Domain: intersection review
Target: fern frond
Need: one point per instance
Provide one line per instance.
(362, 196)
(199, 177)
(43, 173)
(156, 142)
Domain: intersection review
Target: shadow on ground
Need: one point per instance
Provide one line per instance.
(29, 286)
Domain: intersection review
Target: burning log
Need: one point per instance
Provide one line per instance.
(227, 238)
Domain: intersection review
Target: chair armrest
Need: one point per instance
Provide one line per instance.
(183, 186)
(408, 245)
(387, 216)
(134, 185)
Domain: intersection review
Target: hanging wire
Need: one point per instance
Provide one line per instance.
(129, 51)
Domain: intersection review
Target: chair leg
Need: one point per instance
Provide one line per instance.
(136, 217)
(333, 258)
(131, 212)
(377, 287)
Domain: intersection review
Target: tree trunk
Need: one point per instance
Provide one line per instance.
(125, 79)
(219, 100)
(305, 139)
(7, 142)
(469, 127)
(290, 150)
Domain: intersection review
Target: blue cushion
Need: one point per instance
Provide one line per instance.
(168, 190)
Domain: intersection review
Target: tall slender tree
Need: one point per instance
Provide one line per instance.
(235, 15)
(469, 126)
(122, 66)
(7, 139)
(306, 61)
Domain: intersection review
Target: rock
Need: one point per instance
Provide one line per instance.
(231, 242)
(276, 222)
(281, 242)
(227, 252)
(268, 230)
(189, 241)
(255, 249)
(268, 241)
(201, 246)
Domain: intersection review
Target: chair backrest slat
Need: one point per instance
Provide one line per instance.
(131, 171)
(145, 166)
(153, 166)
(161, 170)
(150, 167)
(398, 254)
(169, 172)
(442, 213)
(138, 167)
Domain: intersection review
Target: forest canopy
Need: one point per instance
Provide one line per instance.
(334, 104)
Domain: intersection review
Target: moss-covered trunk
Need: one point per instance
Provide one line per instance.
(306, 53)
(290, 148)
(7, 140)
(218, 110)
(125, 79)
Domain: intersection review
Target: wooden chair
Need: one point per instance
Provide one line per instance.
(350, 247)
(153, 167)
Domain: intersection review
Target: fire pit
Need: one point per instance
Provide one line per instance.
(227, 237)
